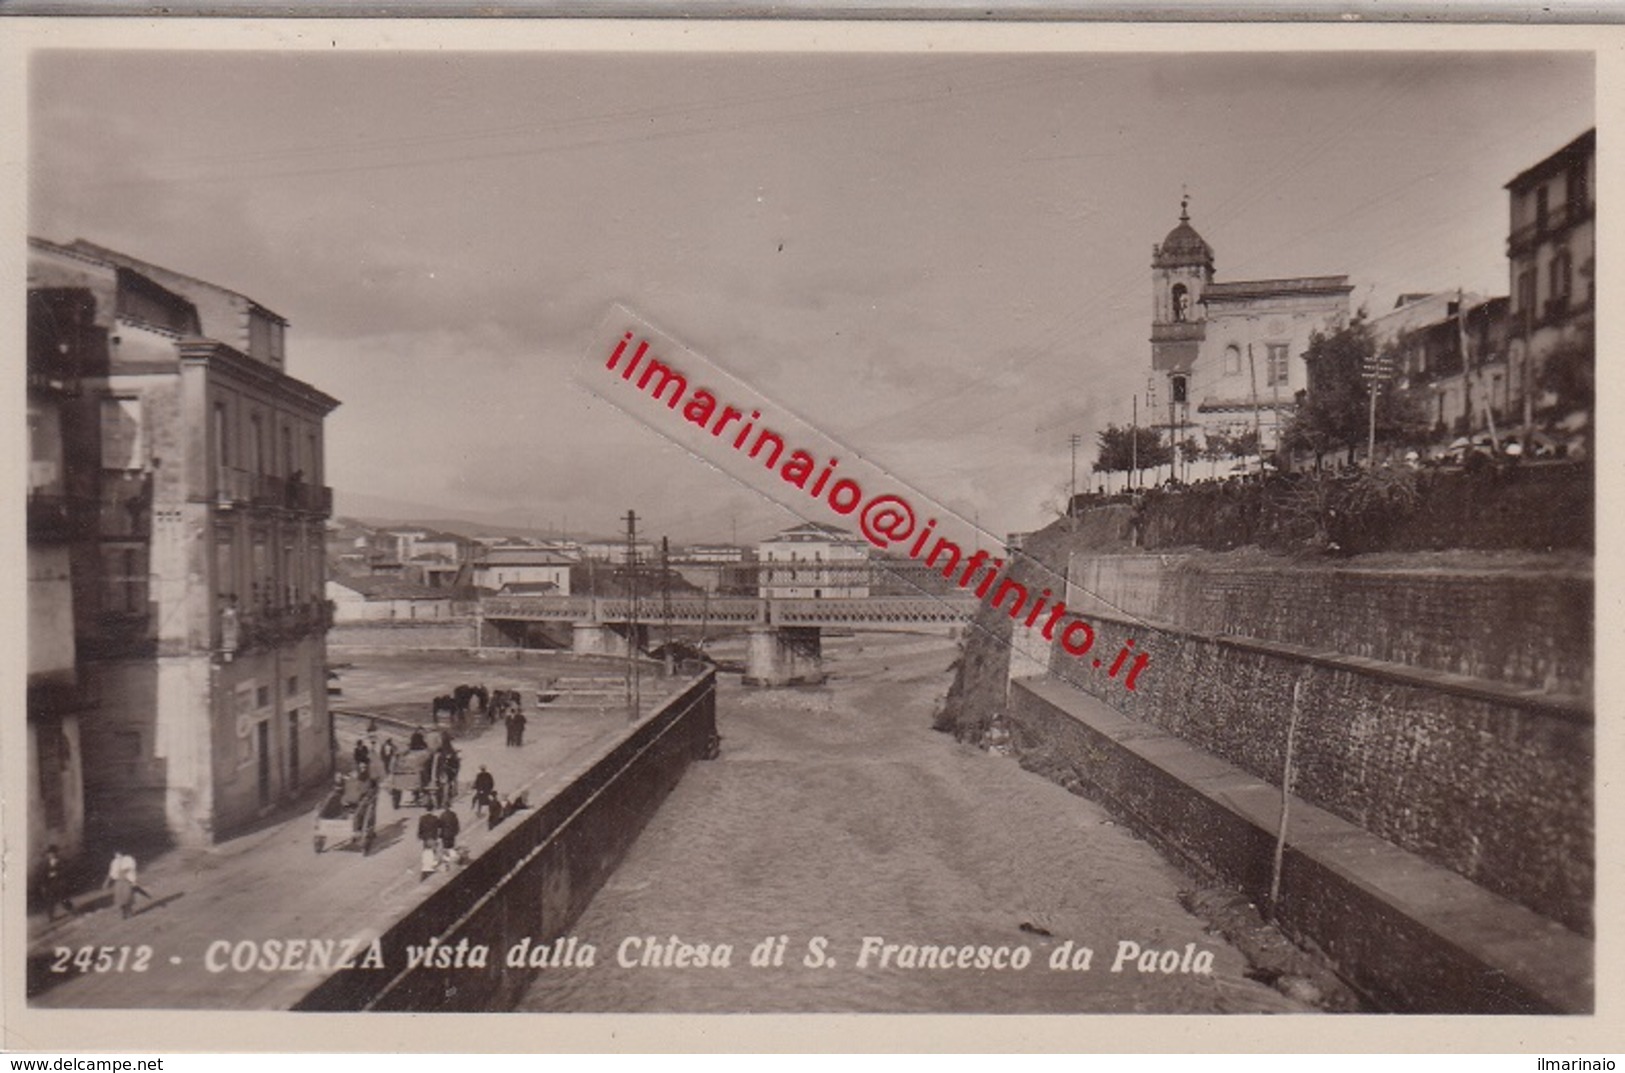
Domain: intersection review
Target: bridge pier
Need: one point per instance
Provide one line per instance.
(602, 638)
(784, 656)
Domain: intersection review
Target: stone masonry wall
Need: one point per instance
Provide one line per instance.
(1490, 783)
(1525, 628)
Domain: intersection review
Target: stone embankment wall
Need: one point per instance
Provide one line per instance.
(424, 636)
(1448, 713)
(1440, 713)
(535, 881)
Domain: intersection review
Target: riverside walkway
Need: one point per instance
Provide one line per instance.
(269, 884)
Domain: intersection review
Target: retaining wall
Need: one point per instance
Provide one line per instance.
(1486, 777)
(1412, 936)
(405, 636)
(536, 880)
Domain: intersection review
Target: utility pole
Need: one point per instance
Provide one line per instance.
(1258, 430)
(1376, 370)
(1074, 439)
(1134, 444)
(665, 598)
(634, 687)
(1489, 403)
(1173, 444)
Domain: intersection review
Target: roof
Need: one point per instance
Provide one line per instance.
(1579, 149)
(1183, 246)
(1241, 290)
(499, 556)
(389, 588)
(91, 249)
(815, 529)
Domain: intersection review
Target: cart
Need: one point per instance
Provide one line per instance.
(406, 778)
(348, 817)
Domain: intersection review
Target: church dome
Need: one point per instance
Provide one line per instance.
(1183, 246)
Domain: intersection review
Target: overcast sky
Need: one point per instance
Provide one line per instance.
(942, 260)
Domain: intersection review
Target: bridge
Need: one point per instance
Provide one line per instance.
(786, 642)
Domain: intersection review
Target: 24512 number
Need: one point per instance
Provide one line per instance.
(101, 958)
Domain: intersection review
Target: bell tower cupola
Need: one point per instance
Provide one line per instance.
(1181, 267)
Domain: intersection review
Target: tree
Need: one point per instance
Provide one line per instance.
(1335, 412)
(1119, 449)
(1569, 374)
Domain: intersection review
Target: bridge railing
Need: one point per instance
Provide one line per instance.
(738, 611)
(872, 610)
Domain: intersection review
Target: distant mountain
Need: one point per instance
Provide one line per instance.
(385, 513)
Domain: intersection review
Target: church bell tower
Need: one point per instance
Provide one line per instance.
(1181, 267)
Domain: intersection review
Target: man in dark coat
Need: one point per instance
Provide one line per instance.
(429, 830)
(450, 827)
(485, 788)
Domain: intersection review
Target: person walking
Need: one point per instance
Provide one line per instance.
(386, 754)
(361, 754)
(518, 727)
(485, 788)
(53, 885)
(429, 831)
(126, 884)
(450, 828)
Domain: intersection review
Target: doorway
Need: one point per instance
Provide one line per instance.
(264, 743)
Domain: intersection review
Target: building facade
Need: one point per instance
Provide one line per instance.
(1551, 255)
(198, 590)
(1231, 352)
(60, 329)
(813, 561)
(1450, 353)
(498, 568)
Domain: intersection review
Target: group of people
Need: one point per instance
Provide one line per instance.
(122, 876)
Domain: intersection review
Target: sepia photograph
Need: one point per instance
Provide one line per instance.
(675, 526)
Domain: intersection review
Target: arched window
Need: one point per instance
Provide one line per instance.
(1182, 302)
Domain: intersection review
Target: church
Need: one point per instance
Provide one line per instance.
(1232, 351)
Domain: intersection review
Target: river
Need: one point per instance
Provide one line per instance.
(836, 812)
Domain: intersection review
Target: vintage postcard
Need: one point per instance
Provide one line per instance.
(1001, 524)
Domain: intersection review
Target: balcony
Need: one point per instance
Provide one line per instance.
(1560, 218)
(273, 626)
(311, 498)
(233, 487)
(54, 517)
(240, 488)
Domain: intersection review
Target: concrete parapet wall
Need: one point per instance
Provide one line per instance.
(536, 880)
(1412, 935)
(1526, 628)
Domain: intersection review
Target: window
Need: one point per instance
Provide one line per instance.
(1276, 374)
(123, 442)
(1540, 208)
(262, 697)
(124, 579)
(1182, 302)
(293, 684)
(1178, 385)
(1562, 277)
(245, 724)
(1232, 360)
(1578, 191)
(256, 444)
(225, 564)
(1526, 290)
(222, 439)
